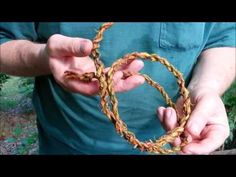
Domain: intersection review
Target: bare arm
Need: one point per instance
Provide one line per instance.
(61, 53)
(23, 58)
(215, 70)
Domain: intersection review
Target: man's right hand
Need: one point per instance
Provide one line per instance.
(66, 53)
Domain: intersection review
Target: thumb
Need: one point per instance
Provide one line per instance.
(197, 120)
(59, 45)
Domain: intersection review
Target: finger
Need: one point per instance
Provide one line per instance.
(189, 136)
(213, 139)
(82, 65)
(179, 106)
(170, 122)
(197, 120)
(129, 83)
(59, 45)
(170, 119)
(106, 69)
(160, 113)
(134, 66)
(85, 88)
(117, 77)
(177, 142)
(124, 66)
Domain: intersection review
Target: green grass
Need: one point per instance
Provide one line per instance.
(7, 104)
(11, 86)
(10, 95)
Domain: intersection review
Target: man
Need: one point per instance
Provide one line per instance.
(69, 116)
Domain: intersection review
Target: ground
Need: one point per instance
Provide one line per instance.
(18, 132)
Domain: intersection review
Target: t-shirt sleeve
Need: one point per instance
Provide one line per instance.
(17, 30)
(221, 35)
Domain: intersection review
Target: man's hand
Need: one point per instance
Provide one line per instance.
(207, 127)
(65, 53)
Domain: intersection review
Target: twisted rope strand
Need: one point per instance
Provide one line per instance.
(107, 94)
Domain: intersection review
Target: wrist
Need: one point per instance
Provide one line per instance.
(203, 89)
(44, 57)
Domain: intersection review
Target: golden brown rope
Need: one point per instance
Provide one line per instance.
(107, 93)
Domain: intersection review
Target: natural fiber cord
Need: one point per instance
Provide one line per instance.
(107, 94)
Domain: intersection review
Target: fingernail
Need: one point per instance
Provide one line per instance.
(84, 46)
(161, 108)
(141, 62)
(142, 81)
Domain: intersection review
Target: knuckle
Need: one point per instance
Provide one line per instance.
(52, 41)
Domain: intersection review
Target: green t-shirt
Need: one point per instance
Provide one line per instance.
(71, 123)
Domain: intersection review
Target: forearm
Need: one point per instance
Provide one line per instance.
(23, 58)
(215, 71)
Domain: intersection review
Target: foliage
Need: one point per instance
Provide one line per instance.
(3, 79)
(229, 100)
(23, 138)
(16, 94)
(26, 86)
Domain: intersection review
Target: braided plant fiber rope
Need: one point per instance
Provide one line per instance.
(107, 94)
